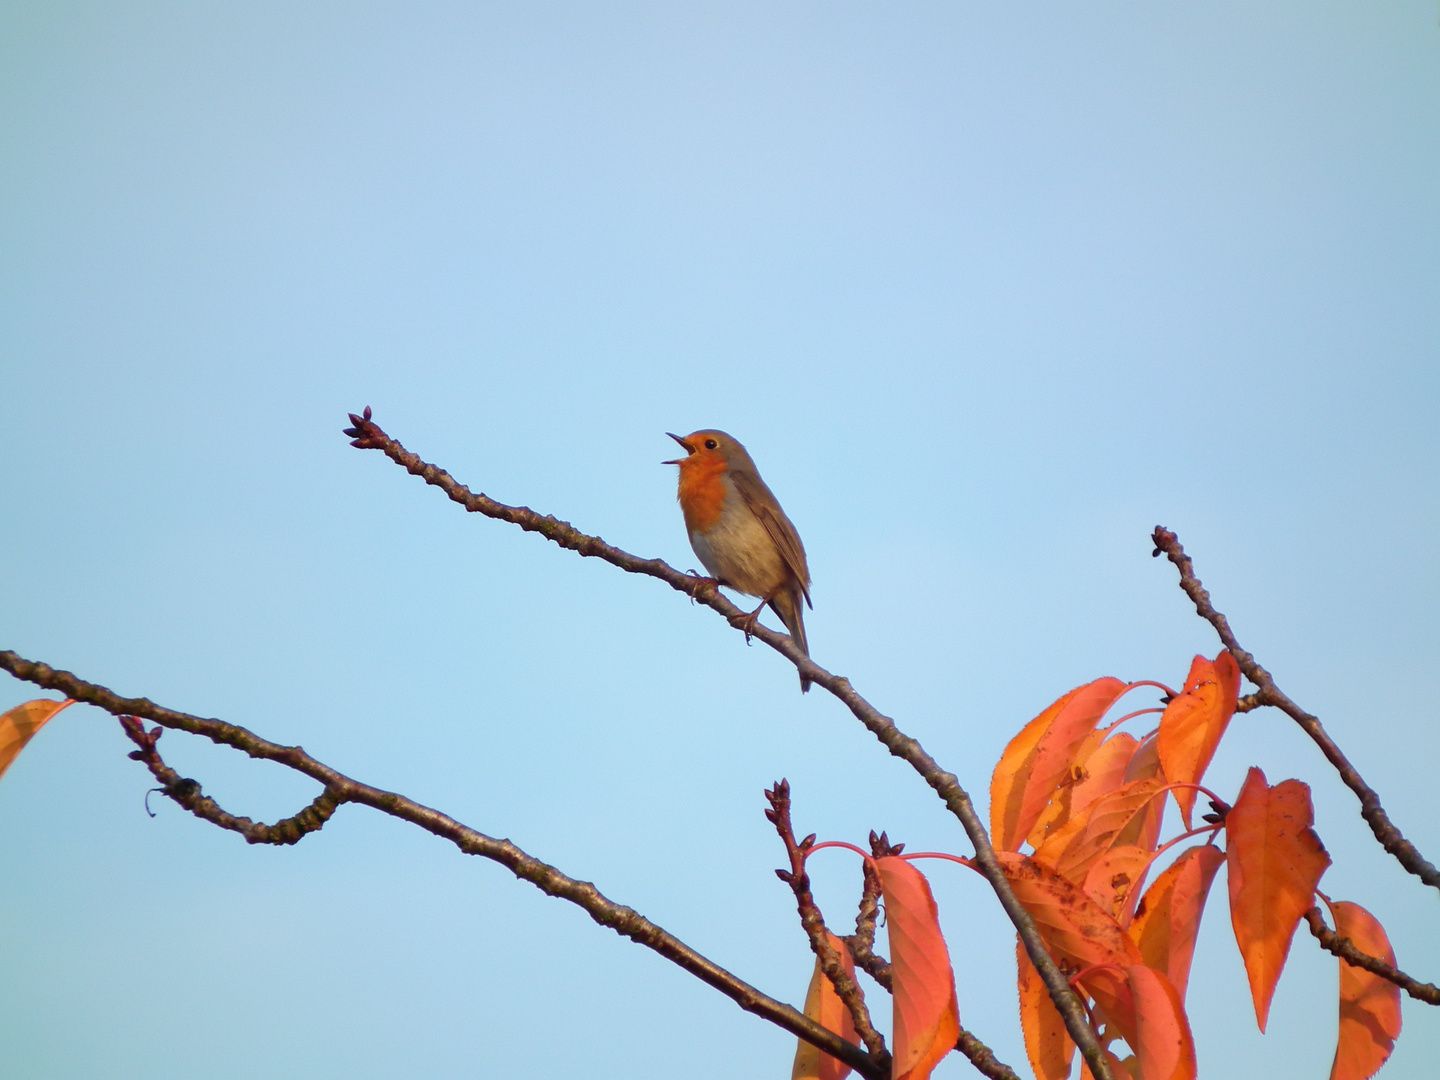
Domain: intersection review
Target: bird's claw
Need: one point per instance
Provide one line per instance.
(701, 586)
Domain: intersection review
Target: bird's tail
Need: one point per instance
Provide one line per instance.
(787, 604)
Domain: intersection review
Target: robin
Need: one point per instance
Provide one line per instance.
(740, 533)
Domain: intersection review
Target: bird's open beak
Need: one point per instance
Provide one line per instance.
(688, 449)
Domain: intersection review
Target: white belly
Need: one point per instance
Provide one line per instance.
(739, 552)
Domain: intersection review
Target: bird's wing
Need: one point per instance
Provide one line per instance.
(763, 505)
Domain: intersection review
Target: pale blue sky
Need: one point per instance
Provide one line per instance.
(988, 290)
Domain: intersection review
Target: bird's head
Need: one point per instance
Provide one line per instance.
(708, 449)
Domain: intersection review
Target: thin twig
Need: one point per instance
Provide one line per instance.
(1345, 949)
(367, 435)
(546, 878)
(187, 794)
(862, 942)
(870, 962)
(1269, 694)
(846, 988)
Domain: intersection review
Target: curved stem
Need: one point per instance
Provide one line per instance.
(1211, 829)
(969, 863)
(838, 844)
(1128, 716)
(1149, 682)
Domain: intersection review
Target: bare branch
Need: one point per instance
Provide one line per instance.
(1269, 694)
(983, 1058)
(546, 878)
(367, 435)
(846, 988)
(1345, 949)
(862, 942)
(187, 794)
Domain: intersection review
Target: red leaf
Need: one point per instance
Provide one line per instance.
(1369, 1005)
(824, 1006)
(1047, 1042)
(19, 725)
(1168, 918)
(1194, 721)
(1076, 931)
(926, 1017)
(1038, 758)
(1275, 861)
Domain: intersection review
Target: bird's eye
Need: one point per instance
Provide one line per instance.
(711, 444)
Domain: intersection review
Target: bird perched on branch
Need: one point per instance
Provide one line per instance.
(740, 533)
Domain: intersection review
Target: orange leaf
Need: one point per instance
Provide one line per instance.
(1275, 861)
(1119, 818)
(824, 1006)
(1114, 1000)
(1037, 759)
(1058, 808)
(926, 1017)
(1369, 1005)
(1146, 1009)
(19, 725)
(1194, 721)
(1145, 765)
(1047, 1042)
(1168, 918)
(1104, 770)
(1048, 854)
(1163, 1044)
(1099, 768)
(1113, 880)
(1076, 931)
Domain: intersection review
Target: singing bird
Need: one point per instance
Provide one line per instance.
(740, 533)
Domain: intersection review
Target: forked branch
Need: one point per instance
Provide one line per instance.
(1269, 694)
(339, 788)
(846, 988)
(367, 435)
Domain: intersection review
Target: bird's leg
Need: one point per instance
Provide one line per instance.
(747, 624)
(702, 584)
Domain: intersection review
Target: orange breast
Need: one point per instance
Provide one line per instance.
(702, 493)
